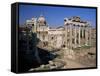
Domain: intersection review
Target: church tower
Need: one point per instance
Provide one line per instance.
(42, 30)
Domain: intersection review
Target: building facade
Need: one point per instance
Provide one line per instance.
(72, 34)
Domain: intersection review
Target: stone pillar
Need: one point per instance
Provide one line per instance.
(86, 35)
(90, 35)
(83, 37)
(75, 36)
(66, 35)
(82, 32)
(79, 35)
(70, 36)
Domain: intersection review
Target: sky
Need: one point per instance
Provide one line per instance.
(55, 15)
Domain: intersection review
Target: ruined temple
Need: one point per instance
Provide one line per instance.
(73, 33)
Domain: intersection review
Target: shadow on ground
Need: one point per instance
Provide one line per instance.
(27, 61)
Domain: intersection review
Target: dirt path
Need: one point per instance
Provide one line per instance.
(73, 64)
(79, 61)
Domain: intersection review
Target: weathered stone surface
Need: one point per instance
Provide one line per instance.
(51, 62)
(69, 53)
(42, 66)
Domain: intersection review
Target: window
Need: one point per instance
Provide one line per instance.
(68, 40)
(43, 37)
(68, 34)
(52, 38)
(32, 24)
(73, 41)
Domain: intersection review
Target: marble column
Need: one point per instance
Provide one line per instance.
(86, 35)
(70, 36)
(82, 34)
(79, 35)
(66, 35)
(75, 36)
(90, 35)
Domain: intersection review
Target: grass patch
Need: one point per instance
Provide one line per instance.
(82, 47)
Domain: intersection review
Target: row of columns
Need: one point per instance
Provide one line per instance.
(80, 30)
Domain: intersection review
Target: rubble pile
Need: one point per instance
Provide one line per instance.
(55, 64)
